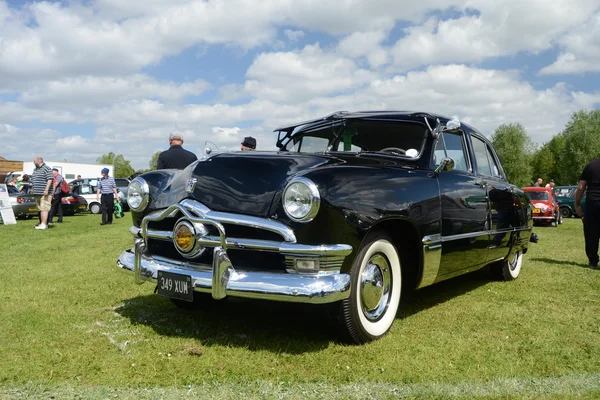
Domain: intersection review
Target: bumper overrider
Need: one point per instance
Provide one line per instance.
(323, 284)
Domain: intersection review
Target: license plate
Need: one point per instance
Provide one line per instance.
(32, 208)
(82, 206)
(537, 211)
(175, 286)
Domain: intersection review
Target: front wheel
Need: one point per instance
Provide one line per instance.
(509, 269)
(565, 212)
(376, 275)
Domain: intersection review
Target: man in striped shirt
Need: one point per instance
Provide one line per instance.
(108, 189)
(41, 180)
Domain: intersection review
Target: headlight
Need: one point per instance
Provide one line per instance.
(301, 200)
(138, 194)
(544, 209)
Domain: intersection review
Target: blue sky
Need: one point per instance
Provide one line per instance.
(120, 76)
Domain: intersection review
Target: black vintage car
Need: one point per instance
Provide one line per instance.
(354, 209)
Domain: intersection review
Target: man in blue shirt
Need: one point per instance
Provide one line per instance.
(107, 187)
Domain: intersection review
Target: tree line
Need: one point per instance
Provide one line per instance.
(562, 158)
(123, 168)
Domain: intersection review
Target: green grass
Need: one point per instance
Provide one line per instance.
(73, 326)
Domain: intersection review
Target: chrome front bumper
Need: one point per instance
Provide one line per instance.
(221, 279)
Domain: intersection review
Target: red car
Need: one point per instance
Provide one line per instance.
(546, 209)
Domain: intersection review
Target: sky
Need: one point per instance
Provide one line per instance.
(79, 79)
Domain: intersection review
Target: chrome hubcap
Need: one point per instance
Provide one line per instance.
(375, 287)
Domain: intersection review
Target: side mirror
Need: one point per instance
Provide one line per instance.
(207, 150)
(447, 164)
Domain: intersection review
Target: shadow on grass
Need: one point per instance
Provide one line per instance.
(431, 296)
(274, 326)
(253, 324)
(559, 262)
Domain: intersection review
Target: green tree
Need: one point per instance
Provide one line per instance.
(123, 167)
(514, 148)
(154, 161)
(546, 160)
(581, 144)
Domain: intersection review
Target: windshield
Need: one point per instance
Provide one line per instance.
(402, 138)
(540, 196)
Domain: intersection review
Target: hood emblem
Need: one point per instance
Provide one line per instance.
(191, 185)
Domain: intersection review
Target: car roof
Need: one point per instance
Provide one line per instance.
(345, 115)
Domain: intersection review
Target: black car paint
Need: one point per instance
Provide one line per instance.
(359, 192)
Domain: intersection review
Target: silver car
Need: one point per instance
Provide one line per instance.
(23, 205)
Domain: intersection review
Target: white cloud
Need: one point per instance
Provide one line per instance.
(365, 44)
(299, 76)
(93, 70)
(292, 35)
(581, 50)
(500, 29)
(96, 91)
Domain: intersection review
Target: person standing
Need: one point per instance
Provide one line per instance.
(41, 180)
(107, 187)
(176, 157)
(57, 195)
(550, 184)
(538, 183)
(248, 144)
(26, 186)
(590, 181)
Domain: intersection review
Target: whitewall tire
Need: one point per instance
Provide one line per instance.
(510, 269)
(376, 274)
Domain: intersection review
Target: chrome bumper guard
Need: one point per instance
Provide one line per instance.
(221, 279)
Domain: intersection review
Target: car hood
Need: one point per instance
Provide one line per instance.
(247, 182)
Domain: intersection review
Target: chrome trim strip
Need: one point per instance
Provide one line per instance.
(460, 236)
(299, 288)
(432, 258)
(239, 219)
(264, 245)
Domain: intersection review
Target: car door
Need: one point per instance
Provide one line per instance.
(464, 208)
(501, 197)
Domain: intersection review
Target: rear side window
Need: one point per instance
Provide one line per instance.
(486, 163)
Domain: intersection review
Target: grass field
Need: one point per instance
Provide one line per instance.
(73, 326)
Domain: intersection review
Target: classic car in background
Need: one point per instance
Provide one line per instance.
(23, 205)
(73, 204)
(565, 195)
(546, 209)
(354, 209)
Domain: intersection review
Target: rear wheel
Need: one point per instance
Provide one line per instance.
(509, 269)
(565, 212)
(376, 283)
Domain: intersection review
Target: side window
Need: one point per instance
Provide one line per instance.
(493, 164)
(311, 144)
(481, 156)
(452, 145)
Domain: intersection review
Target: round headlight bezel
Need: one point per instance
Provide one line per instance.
(133, 192)
(197, 231)
(314, 199)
